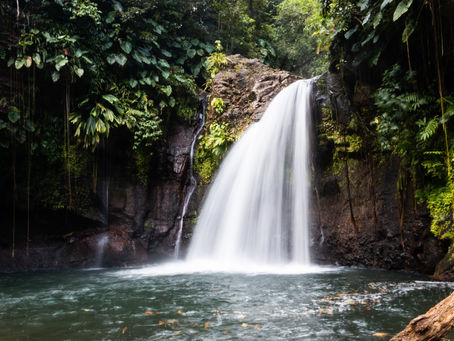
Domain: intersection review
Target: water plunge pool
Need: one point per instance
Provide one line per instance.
(158, 303)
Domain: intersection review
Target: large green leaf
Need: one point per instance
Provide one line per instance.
(385, 3)
(167, 90)
(79, 71)
(121, 59)
(401, 9)
(14, 116)
(111, 59)
(164, 63)
(166, 53)
(19, 63)
(37, 58)
(60, 63)
(126, 46)
(191, 53)
(110, 98)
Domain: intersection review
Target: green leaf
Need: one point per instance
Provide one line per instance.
(110, 98)
(79, 71)
(37, 58)
(133, 83)
(165, 74)
(111, 59)
(29, 126)
(378, 19)
(126, 46)
(350, 32)
(401, 9)
(110, 17)
(166, 53)
(121, 59)
(79, 53)
(191, 53)
(10, 62)
(55, 76)
(200, 52)
(61, 63)
(385, 3)
(14, 116)
(167, 90)
(19, 63)
(195, 42)
(28, 61)
(164, 63)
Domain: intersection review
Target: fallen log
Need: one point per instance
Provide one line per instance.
(432, 325)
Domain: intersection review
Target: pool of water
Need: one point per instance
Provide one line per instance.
(159, 303)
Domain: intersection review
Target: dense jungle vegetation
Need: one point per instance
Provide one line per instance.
(76, 74)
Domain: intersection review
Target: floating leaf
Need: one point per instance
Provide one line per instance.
(176, 332)
(244, 325)
(206, 325)
(380, 334)
(124, 330)
(178, 312)
(256, 326)
(161, 323)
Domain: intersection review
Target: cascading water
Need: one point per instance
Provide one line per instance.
(192, 180)
(256, 211)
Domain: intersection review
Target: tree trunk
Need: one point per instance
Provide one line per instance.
(432, 325)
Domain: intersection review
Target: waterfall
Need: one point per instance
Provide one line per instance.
(256, 211)
(192, 180)
(100, 246)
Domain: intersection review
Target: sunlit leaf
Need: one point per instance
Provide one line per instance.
(126, 46)
(401, 9)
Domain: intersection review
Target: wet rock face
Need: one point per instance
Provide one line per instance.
(110, 248)
(390, 232)
(246, 87)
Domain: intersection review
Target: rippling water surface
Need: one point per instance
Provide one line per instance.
(172, 302)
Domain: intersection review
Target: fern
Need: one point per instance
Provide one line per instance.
(428, 129)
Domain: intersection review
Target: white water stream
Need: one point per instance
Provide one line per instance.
(192, 181)
(256, 212)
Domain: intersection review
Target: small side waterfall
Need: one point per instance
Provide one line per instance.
(256, 211)
(101, 244)
(192, 181)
